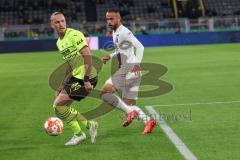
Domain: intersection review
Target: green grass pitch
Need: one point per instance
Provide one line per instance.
(199, 74)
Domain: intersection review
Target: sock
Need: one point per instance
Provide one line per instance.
(75, 127)
(85, 123)
(82, 120)
(70, 116)
(142, 116)
(78, 116)
(116, 102)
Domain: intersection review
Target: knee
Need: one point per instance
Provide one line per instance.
(57, 102)
(106, 89)
(129, 101)
(62, 100)
(102, 92)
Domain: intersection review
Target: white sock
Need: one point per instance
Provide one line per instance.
(142, 116)
(116, 102)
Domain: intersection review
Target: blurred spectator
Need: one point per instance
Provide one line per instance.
(98, 27)
(33, 35)
(151, 8)
(5, 24)
(108, 34)
(100, 1)
(85, 28)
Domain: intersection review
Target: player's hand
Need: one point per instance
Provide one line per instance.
(88, 86)
(105, 59)
(137, 70)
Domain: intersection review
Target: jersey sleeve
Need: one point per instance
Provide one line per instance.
(129, 37)
(78, 40)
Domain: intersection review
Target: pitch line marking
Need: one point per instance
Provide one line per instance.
(181, 147)
(197, 103)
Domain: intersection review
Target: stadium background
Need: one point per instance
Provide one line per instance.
(203, 109)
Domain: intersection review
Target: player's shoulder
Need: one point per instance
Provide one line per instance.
(125, 31)
(73, 32)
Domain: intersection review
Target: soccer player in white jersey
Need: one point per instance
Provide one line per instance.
(127, 78)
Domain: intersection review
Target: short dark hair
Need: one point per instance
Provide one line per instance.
(115, 10)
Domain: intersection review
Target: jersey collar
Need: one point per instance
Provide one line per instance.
(67, 30)
(119, 28)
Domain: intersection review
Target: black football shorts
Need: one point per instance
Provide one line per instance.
(75, 88)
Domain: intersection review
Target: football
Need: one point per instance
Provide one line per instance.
(53, 126)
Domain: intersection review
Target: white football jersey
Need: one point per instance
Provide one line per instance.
(125, 42)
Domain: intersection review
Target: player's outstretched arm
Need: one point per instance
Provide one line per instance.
(139, 49)
(139, 55)
(85, 52)
(106, 58)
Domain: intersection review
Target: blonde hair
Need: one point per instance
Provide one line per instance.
(54, 14)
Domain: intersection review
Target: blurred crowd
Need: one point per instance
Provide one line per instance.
(141, 16)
